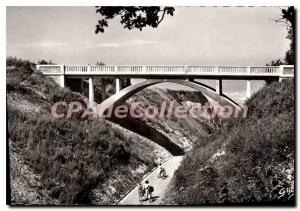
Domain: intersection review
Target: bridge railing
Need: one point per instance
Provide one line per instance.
(202, 69)
(51, 69)
(127, 68)
(101, 68)
(283, 70)
(269, 70)
(76, 69)
(233, 70)
(287, 70)
(165, 69)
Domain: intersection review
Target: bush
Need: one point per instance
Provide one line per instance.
(55, 150)
(258, 156)
(72, 156)
(43, 62)
(14, 61)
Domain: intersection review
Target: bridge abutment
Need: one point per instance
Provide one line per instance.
(58, 74)
(59, 79)
(62, 80)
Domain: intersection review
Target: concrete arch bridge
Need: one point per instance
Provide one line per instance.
(155, 74)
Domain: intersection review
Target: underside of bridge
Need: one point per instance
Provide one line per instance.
(124, 94)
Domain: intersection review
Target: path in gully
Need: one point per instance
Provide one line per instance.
(160, 185)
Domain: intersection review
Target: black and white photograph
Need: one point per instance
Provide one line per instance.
(150, 106)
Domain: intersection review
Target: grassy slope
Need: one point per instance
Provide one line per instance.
(247, 160)
(74, 161)
(181, 131)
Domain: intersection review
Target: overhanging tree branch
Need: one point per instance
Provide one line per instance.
(133, 17)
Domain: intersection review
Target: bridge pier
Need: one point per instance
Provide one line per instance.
(91, 91)
(248, 90)
(117, 85)
(62, 81)
(219, 86)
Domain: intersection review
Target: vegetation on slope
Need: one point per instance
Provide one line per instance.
(247, 160)
(72, 157)
(181, 131)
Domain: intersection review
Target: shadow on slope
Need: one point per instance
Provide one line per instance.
(150, 133)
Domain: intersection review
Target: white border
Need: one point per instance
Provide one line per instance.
(150, 3)
(5, 3)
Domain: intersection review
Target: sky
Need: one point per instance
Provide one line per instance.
(193, 36)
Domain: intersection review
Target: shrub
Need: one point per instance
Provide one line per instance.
(72, 156)
(14, 61)
(55, 148)
(258, 159)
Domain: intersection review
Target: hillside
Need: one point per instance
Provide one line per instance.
(183, 132)
(73, 161)
(83, 161)
(247, 160)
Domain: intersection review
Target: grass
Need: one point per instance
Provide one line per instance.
(72, 156)
(258, 164)
(186, 126)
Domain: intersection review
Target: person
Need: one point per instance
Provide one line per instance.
(151, 189)
(147, 190)
(162, 173)
(141, 192)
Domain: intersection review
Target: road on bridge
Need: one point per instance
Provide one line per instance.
(160, 185)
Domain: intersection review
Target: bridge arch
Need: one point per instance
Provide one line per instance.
(126, 93)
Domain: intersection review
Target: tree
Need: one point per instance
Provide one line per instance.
(43, 61)
(288, 15)
(288, 18)
(100, 63)
(133, 17)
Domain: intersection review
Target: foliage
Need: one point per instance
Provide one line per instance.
(193, 96)
(181, 131)
(288, 15)
(275, 62)
(43, 61)
(248, 160)
(133, 17)
(72, 156)
(100, 63)
(15, 62)
(288, 18)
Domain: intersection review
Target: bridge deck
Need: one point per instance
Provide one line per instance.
(169, 71)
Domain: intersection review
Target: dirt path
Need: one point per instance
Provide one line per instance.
(160, 185)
